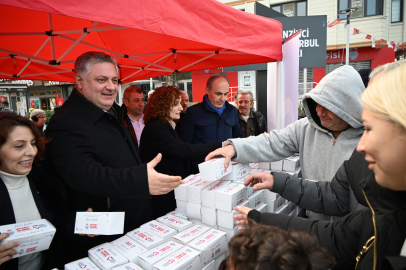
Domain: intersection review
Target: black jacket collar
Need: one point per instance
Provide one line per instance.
(92, 112)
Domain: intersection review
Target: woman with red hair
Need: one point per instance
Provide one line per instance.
(159, 136)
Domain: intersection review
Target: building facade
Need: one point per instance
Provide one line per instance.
(378, 20)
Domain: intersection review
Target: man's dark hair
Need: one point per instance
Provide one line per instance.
(84, 62)
(262, 247)
(210, 81)
(131, 89)
(5, 103)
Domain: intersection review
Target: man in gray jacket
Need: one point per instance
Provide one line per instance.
(324, 139)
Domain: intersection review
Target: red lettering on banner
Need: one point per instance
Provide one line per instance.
(93, 226)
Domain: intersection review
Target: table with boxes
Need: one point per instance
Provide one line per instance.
(195, 235)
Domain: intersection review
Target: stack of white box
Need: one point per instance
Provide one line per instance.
(174, 242)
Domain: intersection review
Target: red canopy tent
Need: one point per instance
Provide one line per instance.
(40, 39)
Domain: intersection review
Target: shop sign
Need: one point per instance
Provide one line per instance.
(49, 83)
(8, 89)
(27, 82)
(313, 36)
(338, 54)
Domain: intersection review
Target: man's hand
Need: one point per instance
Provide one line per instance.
(6, 253)
(243, 216)
(260, 181)
(160, 183)
(228, 152)
(89, 235)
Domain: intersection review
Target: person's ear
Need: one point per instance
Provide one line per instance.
(79, 82)
(207, 91)
(125, 102)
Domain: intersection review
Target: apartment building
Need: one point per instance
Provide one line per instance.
(379, 20)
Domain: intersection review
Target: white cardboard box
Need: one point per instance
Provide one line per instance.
(128, 266)
(82, 264)
(229, 232)
(194, 211)
(185, 258)
(212, 244)
(194, 191)
(209, 193)
(145, 237)
(130, 248)
(210, 266)
(250, 190)
(177, 214)
(191, 233)
(209, 216)
(226, 219)
(149, 258)
(176, 223)
(214, 169)
(283, 210)
(103, 223)
(34, 236)
(253, 165)
(181, 191)
(274, 205)
(262, 208)
(106, 256)
(230, 197)
(264, 165)
(269, 195)
(291, 164)
(181, 207)
(256, 200)
(159, 229)
(240, 171)
(277, 165)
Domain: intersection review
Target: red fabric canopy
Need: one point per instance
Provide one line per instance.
(40, 39)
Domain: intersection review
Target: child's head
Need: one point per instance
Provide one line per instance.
(263, 247)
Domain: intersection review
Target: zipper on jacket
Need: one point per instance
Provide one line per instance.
(108, 204)
(369, 243)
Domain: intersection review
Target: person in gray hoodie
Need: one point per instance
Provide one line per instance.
(324, 139)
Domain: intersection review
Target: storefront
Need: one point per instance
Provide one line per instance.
(17, 97)
(360, 58)
(45, 95)
(49, 95)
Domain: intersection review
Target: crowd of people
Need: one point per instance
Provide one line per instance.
(98, 156)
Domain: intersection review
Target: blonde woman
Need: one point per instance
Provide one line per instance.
(372, 238)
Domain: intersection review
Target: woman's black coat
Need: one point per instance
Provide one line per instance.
(50, 199)
(158, 137)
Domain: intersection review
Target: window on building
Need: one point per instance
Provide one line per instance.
(397, 14)
(365, 8)
(292, 9)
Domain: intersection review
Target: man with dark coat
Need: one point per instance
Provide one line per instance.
(252, 122)
(96, 157)
(214, 119)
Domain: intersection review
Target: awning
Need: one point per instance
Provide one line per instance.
(40, 39)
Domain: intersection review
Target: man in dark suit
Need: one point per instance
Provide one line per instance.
(96, 157)
(214, 119)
